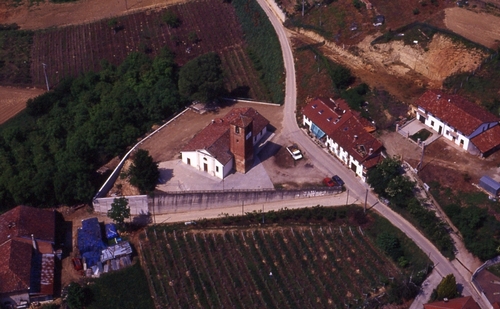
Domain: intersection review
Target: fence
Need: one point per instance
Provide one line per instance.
(112, 178)
(138, 204)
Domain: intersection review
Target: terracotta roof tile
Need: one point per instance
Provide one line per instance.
(23, 221)
(15, 266)
(455, 110)
(344, 126)
(456, 303)
(487, 140)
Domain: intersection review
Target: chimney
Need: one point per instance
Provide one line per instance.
(438, 96)
(34, 242)
(370, 151)
(355, 137)
(449, 100)
(213, 120)
(445, 300)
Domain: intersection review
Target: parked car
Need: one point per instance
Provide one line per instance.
(329, 182)
(294, 152)
(77, 263)
(338, 180)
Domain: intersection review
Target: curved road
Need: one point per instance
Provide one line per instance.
(357, 188)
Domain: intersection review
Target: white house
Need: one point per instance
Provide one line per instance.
(226, 143)
(459, 121)
(344, 133)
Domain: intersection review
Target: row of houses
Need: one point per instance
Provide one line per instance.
(228, 143)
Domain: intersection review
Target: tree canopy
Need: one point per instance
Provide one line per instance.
(144, 172)
(201, 79)
(447, 288)
(49, 156)
(119, 210)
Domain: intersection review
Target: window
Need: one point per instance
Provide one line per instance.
(237, 130)
(432, 123)
(217, 169)
(205, 158)
(188, 161)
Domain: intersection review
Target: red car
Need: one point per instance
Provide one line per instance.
(77, 264)
(329, 182)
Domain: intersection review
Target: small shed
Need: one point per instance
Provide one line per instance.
(490, 185)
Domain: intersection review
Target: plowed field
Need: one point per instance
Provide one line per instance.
(13, 100)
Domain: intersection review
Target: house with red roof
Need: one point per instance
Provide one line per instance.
(27, 259)
(466, 124)
(456, 303)
(227, 143)
(344, 132)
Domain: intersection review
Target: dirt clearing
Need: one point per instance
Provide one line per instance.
(13, 100)
(48, 14)
(481, 28)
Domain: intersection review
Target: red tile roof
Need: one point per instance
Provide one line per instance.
(487, 140)
(215, 137)
(23, 221)
(16, 250)
(455, 110)
(15, 266)
(457, 303)
(345, 127)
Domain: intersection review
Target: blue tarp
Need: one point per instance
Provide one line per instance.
(111, 231)
(90, 241)
(317, 131)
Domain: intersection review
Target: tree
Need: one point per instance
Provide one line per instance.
(380, 176)
(447, 288)
(201, 79)
(400, 190)
(171, 19)
(390, 244)
(144, 172)
(119, 210)
(76, 296)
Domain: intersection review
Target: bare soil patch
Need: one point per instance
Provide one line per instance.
(478, 27)
(13, 100)
(47, 14)
(443, 162)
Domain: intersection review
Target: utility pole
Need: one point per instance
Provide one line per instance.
(347, 200)
(243, 207)
(262, 213)
(303, 3)
(45, 73)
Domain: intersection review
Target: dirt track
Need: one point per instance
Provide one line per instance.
(13, 100)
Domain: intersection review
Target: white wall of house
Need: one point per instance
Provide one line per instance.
(445, 130)
(203, 161)
(306, 122)
(345, 157)
(257, 138)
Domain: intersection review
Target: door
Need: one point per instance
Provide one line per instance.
(205, 167)
(440, 129)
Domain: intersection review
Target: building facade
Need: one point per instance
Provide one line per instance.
(344, 133)
(460, 121)
(227, 143)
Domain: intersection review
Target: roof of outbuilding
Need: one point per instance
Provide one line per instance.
(214, 138)
(487, 140)
(345, 127)
(455, 110)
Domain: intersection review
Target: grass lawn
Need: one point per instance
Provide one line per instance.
(422, 134)
(124, 289)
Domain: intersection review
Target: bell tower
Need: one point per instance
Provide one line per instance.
(241, 143)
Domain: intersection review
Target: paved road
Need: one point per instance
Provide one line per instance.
(357, 188)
